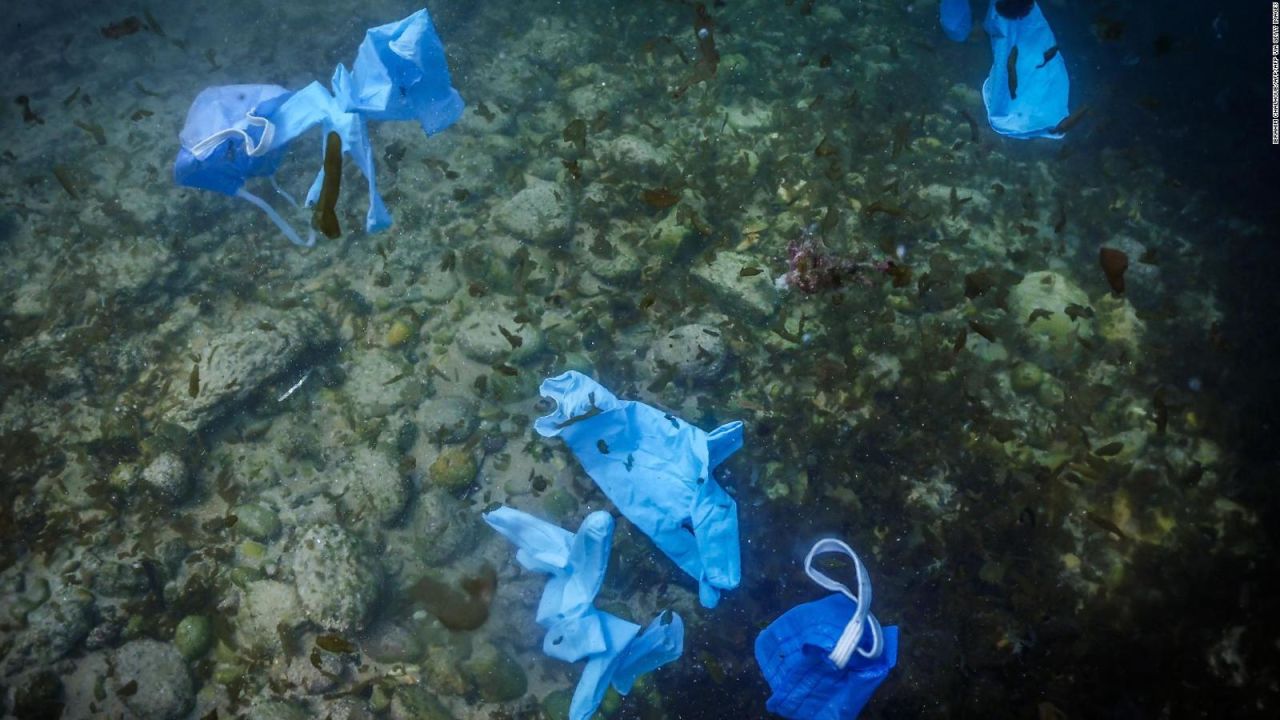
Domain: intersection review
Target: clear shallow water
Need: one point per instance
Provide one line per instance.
(1047, 504)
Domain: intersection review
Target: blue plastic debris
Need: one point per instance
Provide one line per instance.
(1025, 93)
(824, 659)
(957, 19)
(615, 650)
(657, 469)
(236, 132)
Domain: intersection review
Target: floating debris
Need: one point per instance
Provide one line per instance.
(294, 387)
(660, 198)
(122, 28)
(1011, 66)
(1114, 263)
(323, 217)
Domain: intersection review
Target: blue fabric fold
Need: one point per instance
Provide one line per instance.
(956, 18)
(657, 469)
(615, 650)
(1033, 105)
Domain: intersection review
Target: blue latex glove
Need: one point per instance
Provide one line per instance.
(400, 73)
(956, 18)
(657, 469)
(615, 650)
(824, 659)
(1042, 84)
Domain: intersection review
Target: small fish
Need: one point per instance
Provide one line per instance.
(477, 289)
(1109, 449)
(575, 133)
(1039, 314)
(1070, 121)
(1049, 54)
(140, 115)
(749, 272)
(675, 422)
(602, 446)
(335, 644)
(505, 369)
(294, 388)
(515, 340)
(95, 130)
(193, 382)
(1075, 312)
(660, 198)
(1161, 415)
(483, 111)
(960, 341)
(117, 30)
(1011, 66)
(647, 301)
(984, 330)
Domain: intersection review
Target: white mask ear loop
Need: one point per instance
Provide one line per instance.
(206, 146)
(852, 634)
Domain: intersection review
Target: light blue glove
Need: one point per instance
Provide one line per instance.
(957, 19)
(575, 628)
(1041, 83)
(400, 73)
(657, 469)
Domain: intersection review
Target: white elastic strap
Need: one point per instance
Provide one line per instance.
(206, 146)
(862, 617)
(283, 192)
(275, 218)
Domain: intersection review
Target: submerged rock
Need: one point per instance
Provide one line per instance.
(335, 578)
(694, 352)
(54, 629)
(1039, 305)
(738, 294)
(539, 213)
(448, 418)
(242, 360)
(415, 702)
(152, 679)
(454, 469)
(496, 676)
(167, 477)
(266, 608)
(488, 336)
(369, 486)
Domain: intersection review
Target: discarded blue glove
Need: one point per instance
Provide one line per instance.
(824, 659)
(956, 18)
(236, 132)
(575, 628)
(657, 469)
(400, 73)
(1027, 90)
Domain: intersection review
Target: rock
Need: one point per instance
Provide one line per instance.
(152, 679)
(38, 695)
(266, 607)
(415, 702)
(1119, 324)
(555, 706)
(753, 296)
(1026, 377)
(481, 338)
(257, 520)
(336, 580)
(347, 708)
(167, 477)
(389, 642)
(609, 254)
(437, 530)
(1055, 336)
(539, 213)
(240, 361)
(54, 629)
(120, 579)
(496, 675)
(369, 486)
(193, 636)
(696, 352)
(454, 469)
(315, 672)
(439, 286)
(448, 418)
(637, 153)
(273, 709)
(370, 388)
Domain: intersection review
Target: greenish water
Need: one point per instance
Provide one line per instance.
(245, 479)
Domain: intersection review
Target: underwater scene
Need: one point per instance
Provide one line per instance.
(580, 359)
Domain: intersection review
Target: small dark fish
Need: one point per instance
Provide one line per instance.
(960, 341)
(1038, 314)
(602, 446)
(749, 272)
(117, 30)
(193, 382)
(95, 130)
(152, 24)
(448, 260)
(675, 422)
(64, 177)
(1070, 121)
(631, 462)
(29, 116)
(957, 202)
(660, 198)
(522, 319)
(515, 340)
(575, 133)
(1161, 417)
(973, 125)
(140, 115)
(1011, 66)
(1075, 312)
(647, 301)
(984, 330)
(335, 644)
(477, 289)
(1105, 524)
(1114, 263)
(824, 61)
(1049, 54)
(826, 148)
(505, 369)
(483, 111)
(879, 207)
(1060, 223)
(129, 689)
(1109, 449)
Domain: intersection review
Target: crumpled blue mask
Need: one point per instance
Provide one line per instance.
(236, 132)
(824, 659)
(957, 19)
(1042, 83)
(656, 468)
(615, 650)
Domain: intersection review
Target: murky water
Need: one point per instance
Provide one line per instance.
(244, 478)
